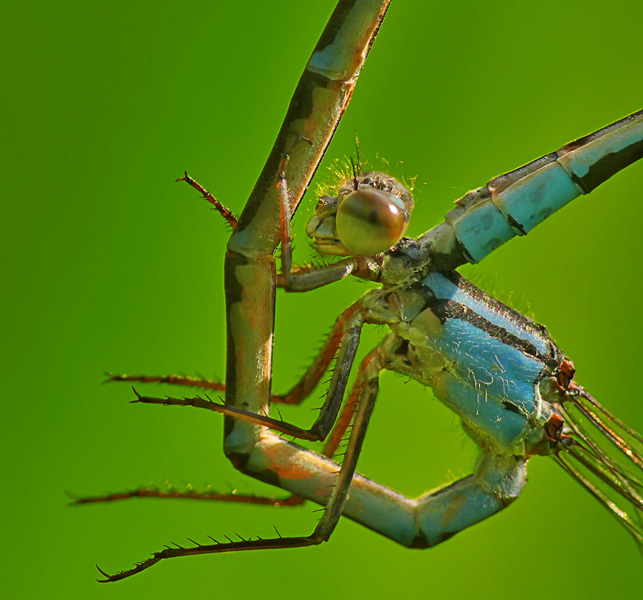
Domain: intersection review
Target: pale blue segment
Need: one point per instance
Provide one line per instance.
(483, 412)
(456, 508)
(384, 513)
(496, 370)
(328, 62)
(333, 60)
(375, 506)
(445, 289)
(578, 162)
(482, 229)
(241, 439)
(535, 197)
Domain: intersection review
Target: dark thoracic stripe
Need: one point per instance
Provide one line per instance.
(506, 311)
(448, 309)
(552, 359)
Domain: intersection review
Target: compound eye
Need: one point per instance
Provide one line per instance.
(369, 222)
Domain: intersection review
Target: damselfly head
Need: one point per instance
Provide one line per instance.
(368, 216)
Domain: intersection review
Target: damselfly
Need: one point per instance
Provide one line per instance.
(500, 372)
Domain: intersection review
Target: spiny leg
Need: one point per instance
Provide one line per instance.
(303, 388)
(334, 502)
(350, 323)
(347, 415)
(368, 390)
(340, 331)
(295, 395)
(230, 411)
(292, 500)
(333, 442)
(415, 523)
(178, 380)
(300, 391)
(224, 211)
(351, 330)
(604, 455)
(343, 422)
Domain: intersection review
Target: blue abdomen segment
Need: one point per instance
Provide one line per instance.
(482, 227)
(595, 158)
(514, 203)
(536, 196)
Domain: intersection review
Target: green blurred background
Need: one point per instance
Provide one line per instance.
(110, 266)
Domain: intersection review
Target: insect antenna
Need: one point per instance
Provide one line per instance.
(354, 170)
(357, 155)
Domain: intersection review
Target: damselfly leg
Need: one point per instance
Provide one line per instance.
(503, 376)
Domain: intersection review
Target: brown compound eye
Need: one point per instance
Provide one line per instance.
(369, 222)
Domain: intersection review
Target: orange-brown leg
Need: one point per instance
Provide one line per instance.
(224, 211)
(295, 395)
